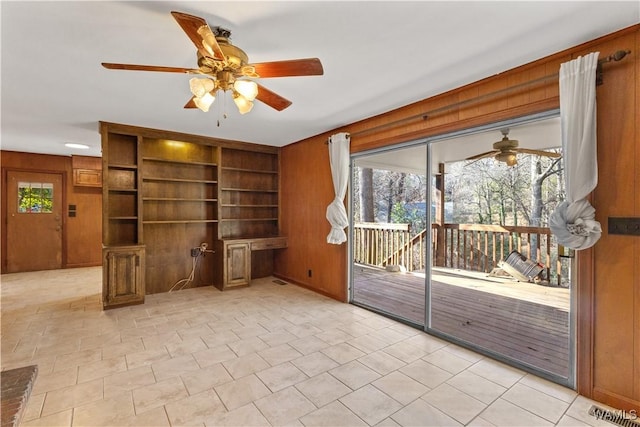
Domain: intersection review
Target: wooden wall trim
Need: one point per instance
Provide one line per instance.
(179, 136)
(511, 113)
(584, 322)
(636, 254)
(310, 287)
(615, 400)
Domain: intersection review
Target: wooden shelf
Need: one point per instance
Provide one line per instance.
(226, 168)
(180, 162)
(176, 199)
(248, 193)
(123, 190)
(185, 221)
(197, 181)
(122, 166)
(227, 205)
(247, 219)
(250, 190)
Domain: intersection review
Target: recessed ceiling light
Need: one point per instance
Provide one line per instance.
(80, 146)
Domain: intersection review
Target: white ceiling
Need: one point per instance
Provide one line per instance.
(377, 56)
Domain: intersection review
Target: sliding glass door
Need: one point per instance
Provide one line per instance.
(389, 233)
(467, 253)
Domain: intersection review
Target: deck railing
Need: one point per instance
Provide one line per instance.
(382, 244)
(473, 247)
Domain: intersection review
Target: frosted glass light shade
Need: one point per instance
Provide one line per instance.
(243, 104)
(204, 102)
(246, 88)
(200, 87)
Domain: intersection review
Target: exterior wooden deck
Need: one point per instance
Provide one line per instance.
(523, 321)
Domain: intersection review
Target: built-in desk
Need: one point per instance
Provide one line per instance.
(236, 254)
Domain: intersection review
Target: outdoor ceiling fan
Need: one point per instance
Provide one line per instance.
(226, 67)
(507, 149)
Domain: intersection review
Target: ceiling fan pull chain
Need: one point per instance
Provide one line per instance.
(224, 103)
(218, 114)
(222, 107)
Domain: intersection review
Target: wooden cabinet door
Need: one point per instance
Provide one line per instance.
(123, 276)
(237, 265)
(87, 178)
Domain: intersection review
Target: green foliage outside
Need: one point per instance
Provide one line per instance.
(402, 214)
(35, 199)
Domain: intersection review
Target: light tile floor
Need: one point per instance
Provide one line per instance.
(265, 355)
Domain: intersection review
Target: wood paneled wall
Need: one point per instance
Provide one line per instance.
(305, 194)
(614, 297)
(81, 241)
(608, 283)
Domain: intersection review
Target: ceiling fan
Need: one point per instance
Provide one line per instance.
(226, 67)
(507, 149)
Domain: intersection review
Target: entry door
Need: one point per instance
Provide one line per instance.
(34, 221)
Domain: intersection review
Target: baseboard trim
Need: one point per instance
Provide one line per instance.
(306, 286)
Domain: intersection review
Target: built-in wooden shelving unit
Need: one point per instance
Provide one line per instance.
(166, 193)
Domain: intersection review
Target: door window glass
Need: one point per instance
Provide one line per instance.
(35, 197)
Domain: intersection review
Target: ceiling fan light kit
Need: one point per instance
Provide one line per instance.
(204, 89)
(227, 68)
(243, 104)
(201, 87)
(506, 151)
(508, 157)
(246, 88)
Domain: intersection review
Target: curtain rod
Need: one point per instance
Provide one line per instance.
(614, 57)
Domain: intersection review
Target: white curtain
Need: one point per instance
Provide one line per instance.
(336, 212)
(573, 222)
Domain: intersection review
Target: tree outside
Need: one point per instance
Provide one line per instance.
(35, 197)
(479, 192)
(488, 192)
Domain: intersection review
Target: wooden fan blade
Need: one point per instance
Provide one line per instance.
(291, 68)
(483, 155)
(193, 27)
(191, 103)
(272, 99)
(134, 67)
(540, 152)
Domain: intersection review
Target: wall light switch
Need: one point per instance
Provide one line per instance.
(628, 226)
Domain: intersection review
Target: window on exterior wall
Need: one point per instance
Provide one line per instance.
(35, 197)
